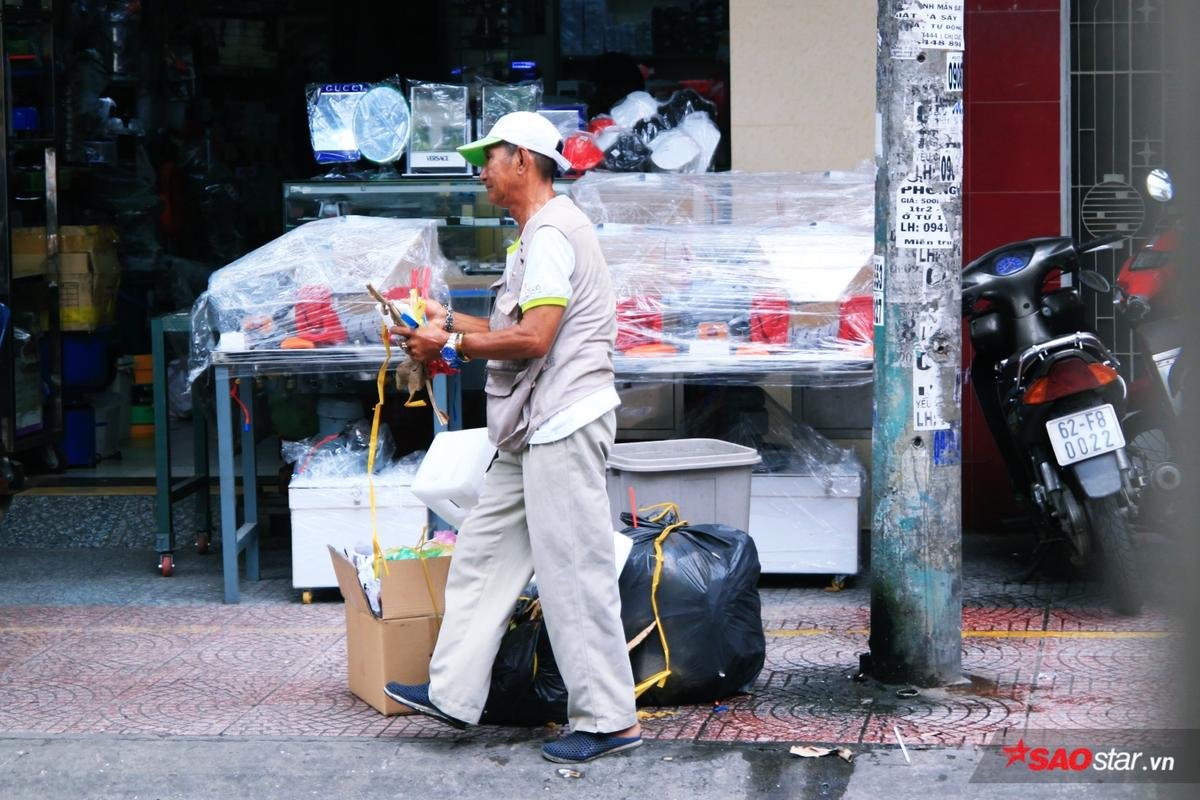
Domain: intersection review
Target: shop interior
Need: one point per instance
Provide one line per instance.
(165, 141)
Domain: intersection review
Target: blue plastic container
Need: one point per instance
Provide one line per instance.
(86, 362)
(79, 436)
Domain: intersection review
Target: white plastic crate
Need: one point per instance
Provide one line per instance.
(805, 525)
(338, 512)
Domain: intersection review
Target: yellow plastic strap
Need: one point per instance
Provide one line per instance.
(376, 549)
(437, 612)
(659, 678)
(665, 510)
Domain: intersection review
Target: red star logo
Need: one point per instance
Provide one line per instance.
(1015, 752)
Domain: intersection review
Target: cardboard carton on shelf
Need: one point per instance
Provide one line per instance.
(398, 644)
(88, 271)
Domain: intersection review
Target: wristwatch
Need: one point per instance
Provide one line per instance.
(452, 350)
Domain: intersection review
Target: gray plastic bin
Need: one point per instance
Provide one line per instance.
(708, 479)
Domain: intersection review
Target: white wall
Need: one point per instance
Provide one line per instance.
(802, 83)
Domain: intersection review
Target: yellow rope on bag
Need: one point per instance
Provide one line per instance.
(659, 679)
(666, 509)
(376, 549)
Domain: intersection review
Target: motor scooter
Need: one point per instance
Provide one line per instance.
(1053, 398)
(1147, 297)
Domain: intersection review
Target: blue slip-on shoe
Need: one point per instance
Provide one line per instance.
(581, 746)
(416, 697)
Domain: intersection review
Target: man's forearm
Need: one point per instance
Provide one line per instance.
(508, 344)
(465, 323)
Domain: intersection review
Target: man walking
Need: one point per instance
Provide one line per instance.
(551, 408)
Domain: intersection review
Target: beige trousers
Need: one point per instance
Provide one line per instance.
(544, 509)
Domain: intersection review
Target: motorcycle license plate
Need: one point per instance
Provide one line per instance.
(1085, 434)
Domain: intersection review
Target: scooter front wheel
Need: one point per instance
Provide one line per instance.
(1118, 560)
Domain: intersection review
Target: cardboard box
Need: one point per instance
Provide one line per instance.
(89, 275)
(28, 252)
(89, 272)
(398, 645)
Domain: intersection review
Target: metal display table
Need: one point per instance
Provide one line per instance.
(231, 371)
(167, 492)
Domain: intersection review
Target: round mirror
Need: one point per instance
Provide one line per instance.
(381, 123)
(1158, 184)
(1094, 281)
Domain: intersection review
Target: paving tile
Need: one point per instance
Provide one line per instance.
(1042, 653)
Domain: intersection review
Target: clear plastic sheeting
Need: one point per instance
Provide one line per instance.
(345, 454)
(846, 198)
(497, 99)
(331, 110)
(300, 302)
(806, 493)
(741, 304)
(643, 135)
(749, 416)
(739, 277)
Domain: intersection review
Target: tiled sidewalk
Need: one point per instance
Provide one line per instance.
(1038, 655)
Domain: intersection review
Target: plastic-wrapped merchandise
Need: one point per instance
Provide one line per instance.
(743, 304)
(636, 107)
(846, 198)
(738, 277)
(706, 135)
(627, 153)
(581, 150)
(567, 119)
(674, 151)
(804, 494)
(302, 298)
(497, 99)
(331, 109)
(381, 123)
(340, 455)
(441, 122)
(684, 103)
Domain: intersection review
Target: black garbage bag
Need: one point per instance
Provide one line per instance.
(527, 688)
(709, 609)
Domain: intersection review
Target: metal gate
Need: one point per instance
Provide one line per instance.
(1119, 100)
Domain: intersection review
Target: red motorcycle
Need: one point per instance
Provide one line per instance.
(1148, 298)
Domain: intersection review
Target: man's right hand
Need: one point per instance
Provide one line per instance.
(435, 313)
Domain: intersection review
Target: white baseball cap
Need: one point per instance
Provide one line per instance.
(524, 129)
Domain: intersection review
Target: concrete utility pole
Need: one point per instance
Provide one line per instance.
(916, 536)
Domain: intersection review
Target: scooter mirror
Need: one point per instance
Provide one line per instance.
(1094, 281)
(1158, 184)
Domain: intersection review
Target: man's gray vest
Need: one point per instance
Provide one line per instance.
(523, 394)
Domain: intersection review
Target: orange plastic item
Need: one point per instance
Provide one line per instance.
(296, 343)
(712, 330)
(645, 350)
(753, 350)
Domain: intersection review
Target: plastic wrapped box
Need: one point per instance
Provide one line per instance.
(307, 290)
